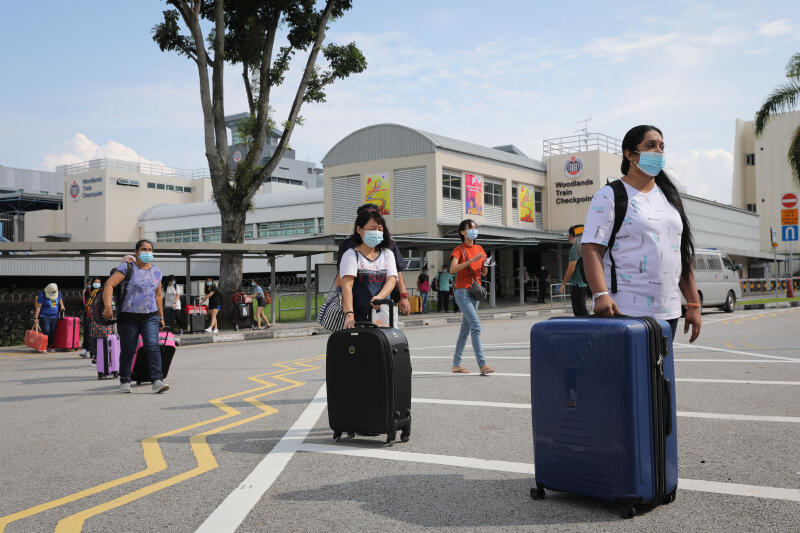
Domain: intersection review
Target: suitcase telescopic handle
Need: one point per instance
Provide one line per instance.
(390, 303)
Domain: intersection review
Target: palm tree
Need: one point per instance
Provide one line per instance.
(784, 98)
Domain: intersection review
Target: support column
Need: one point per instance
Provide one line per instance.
(560, 267)
(272, 283)
(187, 287)
(492, 287)
(308, 288)
(85, 270)
(521, 275)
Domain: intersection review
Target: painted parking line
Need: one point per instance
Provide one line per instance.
(238, 504)
(677, 360)
(687, 414)
(736, 352)
(688, 380)
(698, 485)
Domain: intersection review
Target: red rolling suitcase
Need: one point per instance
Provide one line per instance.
(68, 333)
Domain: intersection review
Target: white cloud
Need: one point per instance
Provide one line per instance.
(705, 173)
(776, 28)
(80, 148)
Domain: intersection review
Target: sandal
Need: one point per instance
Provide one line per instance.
(486, 369)
(460, 370)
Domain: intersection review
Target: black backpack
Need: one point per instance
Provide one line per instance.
(620, 208)
(116, 300)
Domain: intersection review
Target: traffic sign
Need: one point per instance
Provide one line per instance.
(789, 200)
(789, 217)
(789, 233)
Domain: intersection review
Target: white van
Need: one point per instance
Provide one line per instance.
(717, 279)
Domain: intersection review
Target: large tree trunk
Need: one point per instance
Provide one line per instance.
(230, 265)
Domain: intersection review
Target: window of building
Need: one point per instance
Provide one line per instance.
(410, 198)
(187, 189)
(321, 222)
(310, 170)
(346, 197)
(537, 207)
(492, 192)
(170, 187)
(186, 235)
(160, 186)
(212, 234)
(514, 193)
(151, 185)
(127, 183)
(178, 188)
(249, 231)
(451, 185)
(751, 208)
(750, 159)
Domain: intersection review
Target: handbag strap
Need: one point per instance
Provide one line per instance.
(36, 327)
(466, 256)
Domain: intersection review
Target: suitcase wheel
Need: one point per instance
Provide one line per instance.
(669, 498)
(351, 435)
(138, 382)
(99, 375)
(337, 436)
(537, 492)
(389, 441)
(115, 374)
(626, 510)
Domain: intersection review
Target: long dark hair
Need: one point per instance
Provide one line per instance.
(629, 143)
(363, 218)
(466, 224)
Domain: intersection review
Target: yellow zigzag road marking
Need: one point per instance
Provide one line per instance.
(154, 460)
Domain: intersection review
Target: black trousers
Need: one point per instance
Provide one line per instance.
(442, 300)
(579, 295)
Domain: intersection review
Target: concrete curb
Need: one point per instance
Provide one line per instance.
(772, 305)
(307, 331)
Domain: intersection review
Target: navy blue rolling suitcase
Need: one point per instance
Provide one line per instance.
(603, 405)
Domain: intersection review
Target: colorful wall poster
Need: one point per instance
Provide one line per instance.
(474, 196)
(377, 192)
(526, 204)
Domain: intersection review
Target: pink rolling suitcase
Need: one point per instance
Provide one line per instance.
(68, 333)
(140, 370)
(108, 350)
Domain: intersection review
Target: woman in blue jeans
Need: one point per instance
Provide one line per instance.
(141, 314)
(466, 262)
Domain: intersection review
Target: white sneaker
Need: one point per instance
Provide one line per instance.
(215, 330)
(208, 330)
(159, 386)
(84, 353)
(125, 387)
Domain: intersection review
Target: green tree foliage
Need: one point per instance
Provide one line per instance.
(244, 34)
(784, 98)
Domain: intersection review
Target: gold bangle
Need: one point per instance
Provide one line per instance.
(693, 304)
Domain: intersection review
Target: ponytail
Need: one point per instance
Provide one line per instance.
(687, 242)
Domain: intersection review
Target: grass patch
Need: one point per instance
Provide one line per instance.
(293, 308)
(766, 301)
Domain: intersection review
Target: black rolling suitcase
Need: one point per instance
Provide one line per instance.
(195, 319)
(368, 373)
(243, 316)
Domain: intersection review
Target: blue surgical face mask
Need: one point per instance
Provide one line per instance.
(651, 163)
(373, 238)
(208, 283)
(145, 257)
(95, 285)
(472, 234)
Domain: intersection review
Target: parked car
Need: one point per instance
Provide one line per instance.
(717, 279)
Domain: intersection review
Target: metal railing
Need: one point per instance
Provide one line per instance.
(766, 286)
(583, 142)
(132, 166)
(280, 297)
(559, 300)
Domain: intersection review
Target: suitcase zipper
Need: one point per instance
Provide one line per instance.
(658, 406)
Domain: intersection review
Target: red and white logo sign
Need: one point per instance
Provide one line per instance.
(573, 167)
(789, 200)
(237, 156)
(75, 190)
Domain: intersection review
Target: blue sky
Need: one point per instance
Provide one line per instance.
(84, 80)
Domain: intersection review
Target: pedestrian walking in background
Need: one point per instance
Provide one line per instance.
(443, 281)
(400, 294)
(48, 304)
(573, 274)
(86, 318)
(261, 303)
(424, 287)
(544, 278)
(212, 297)
(96, 330)
(368, 272)
(172, 304)
(142, 313)
(647, 264)
(467, 263)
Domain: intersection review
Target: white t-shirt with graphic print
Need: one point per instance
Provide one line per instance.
(647, 251)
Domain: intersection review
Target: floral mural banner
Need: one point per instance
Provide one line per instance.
(377, 192)
(526, 204)
(474, 196)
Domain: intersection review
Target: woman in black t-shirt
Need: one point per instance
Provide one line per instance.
(214, 304)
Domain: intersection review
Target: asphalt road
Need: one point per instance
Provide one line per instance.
(238, 442)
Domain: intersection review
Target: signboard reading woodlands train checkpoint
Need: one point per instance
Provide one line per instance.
(474, 196)
(377, 192)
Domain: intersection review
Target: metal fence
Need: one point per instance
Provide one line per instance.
(559, 300)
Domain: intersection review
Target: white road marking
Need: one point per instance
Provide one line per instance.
(493, 357)
(692, 380)
(737, 352)
(413, 457)
(688, 414)
(238, 504)
(510, 346)
(759, 361)
(714, 321)
(735, 489)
